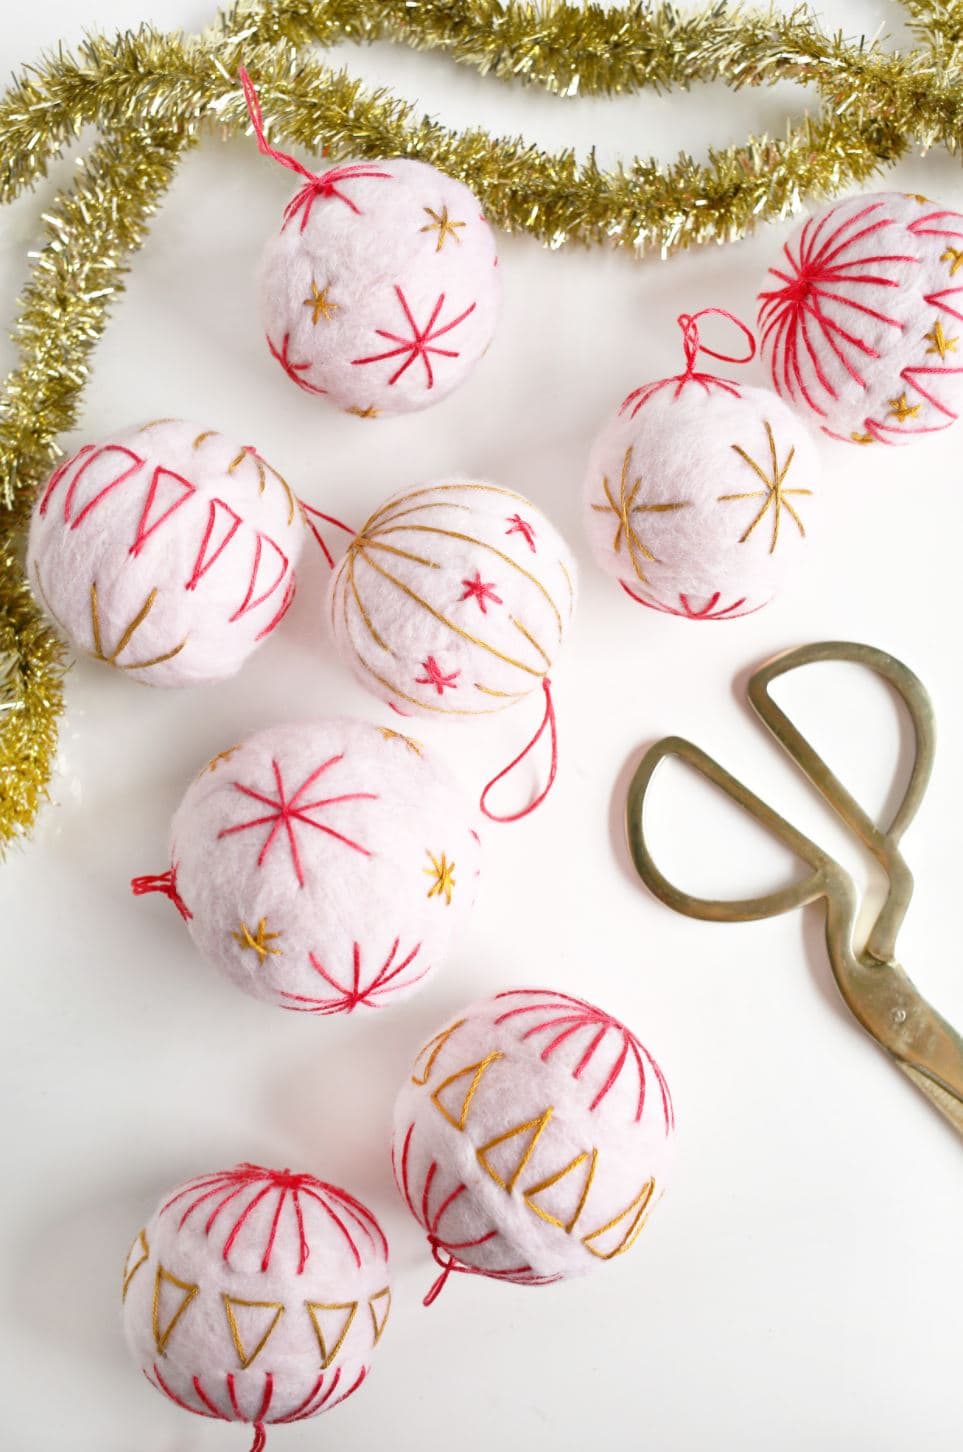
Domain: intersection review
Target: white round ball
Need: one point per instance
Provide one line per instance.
(166, 551)
(325, 865)
(861, 320)
(381, 288)
(699, 498)
(453, 599)
(256, 1296)
(533, 1138)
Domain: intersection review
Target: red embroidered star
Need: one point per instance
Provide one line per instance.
(293, 369)
(350, 995)
(326, 185)
(285, 811)
(435, 676)
(481, 591)
(421, 343)
(517, 525)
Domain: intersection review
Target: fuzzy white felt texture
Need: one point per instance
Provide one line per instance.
(453, 599)
(256, 1295)
(862, 318)
(699, 496)
(166, 551)
(325, 865)
(381, 288)
(533, 1138)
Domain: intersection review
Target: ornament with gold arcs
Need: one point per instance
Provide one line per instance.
(532, 1139)
(700, 492)
(325, 867)
(258, 1296)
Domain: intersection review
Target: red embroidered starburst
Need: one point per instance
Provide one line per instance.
(285, 811)
(318, 1398)
(435, 676)
(292, 369)
(517, 525)
(482, 591)
(350, 995)
(421, 342)
(711, 610)
(326, 185)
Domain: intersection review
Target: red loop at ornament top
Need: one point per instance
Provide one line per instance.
(692, 346)
(547, 723)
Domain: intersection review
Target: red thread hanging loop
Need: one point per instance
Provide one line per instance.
(548, 723)
(260, 1438)
(307, 509)
(257, 121)
(166, 883)
(439, 1285)
(691, 345)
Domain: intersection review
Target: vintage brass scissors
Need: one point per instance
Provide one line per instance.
(874, 986)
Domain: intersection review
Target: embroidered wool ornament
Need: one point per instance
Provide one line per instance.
(324, 865)
(699, 491)
(862, 326)
(532, 1139)
(256, 1296)
(453, 600)
(381, 289)
(166, 551)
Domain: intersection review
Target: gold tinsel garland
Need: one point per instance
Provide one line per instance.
(151, 93)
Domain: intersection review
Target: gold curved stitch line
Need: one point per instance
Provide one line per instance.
(530, 638)
(161, 1338)
(359, 545)
(482, 544)
(506, 695)
(154, 423)
(419, 509)
(571, 588)
(443, 619)
(139, 1243)
(261, 465)
(313, 1307)
(639, 1205)
(378, 1296)
(364, 613)
(443, 489)
(538, 1125)
(478, 1072)
(435, 1045)
(207, 434)
(125, 639)
(567, 1225)
(142, 665)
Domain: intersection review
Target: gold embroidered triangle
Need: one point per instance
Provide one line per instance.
(136, 1257)
(536, 1128)
(476, 1072)
(551, 1180)
(252, 1325)
(382, 1311)
(330, 1344)
(162, 1332)
(430, 1053)
(637, 1211)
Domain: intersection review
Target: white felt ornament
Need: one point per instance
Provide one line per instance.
(453, 600)
(863, 321)
(699, 491)
(166, 551)
(381, 289)
(323, 866)
(532, 1139)
(257, 1296)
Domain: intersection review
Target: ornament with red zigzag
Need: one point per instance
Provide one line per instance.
(861, 322)
(166, 551)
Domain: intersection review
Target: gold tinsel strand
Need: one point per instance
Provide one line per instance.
(152, 92)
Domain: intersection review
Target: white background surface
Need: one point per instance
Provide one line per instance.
(801, 1285)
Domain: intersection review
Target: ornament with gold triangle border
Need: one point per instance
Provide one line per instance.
(567, 1225)
(477, 1072)
(537, 1128)
(637, 1210)
(132, 1266)
(231, 1304)
(162, 1278)
(432, 1049)
(327, 1356)
(379, 1326)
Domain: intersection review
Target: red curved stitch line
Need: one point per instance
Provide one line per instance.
(231, 1195)
(910, 375)
(366, 1223)
(305, 1410)
(818, 369)
(292, 369)
(351, 1389)
(207, 1194)
(452, 1245)
(268, 1393)
(576, 1018)
(590, 1052)
(304, 1250)
(299, 1411)
(120, 479)
(547, 723)
(173, 1395)
(825, 258)
(560, 1039)
(828, 324)
(230, 1387)
(58, 474)
(919, 230)
(200, 569)
(142, 534)
(286, 604)
(426, 1191)
(853, 220)
(935, 299)
(214, 1408)
(266, 1258)
(827, 328)
(859, 307)
(443, 1207)
(189, 1189)
(338, 1222)
(403, 1181)
(247, 603)
(239, 1222)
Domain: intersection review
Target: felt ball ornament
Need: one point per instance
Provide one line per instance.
(323, 866)
(863, 318)
(380, 291)
(699, 491)
(166, 551)
(532, 1139)
(453, 600)
(256, 1296)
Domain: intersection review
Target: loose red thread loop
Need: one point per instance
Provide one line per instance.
(689, 323)
(548, 722)
(257, 121)
(442, 1281)
(328, 519)
(260, 1438)
(165, 882)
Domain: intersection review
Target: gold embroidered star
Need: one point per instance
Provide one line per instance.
(369, 412)
(215, 761)
(941, 343)
(320, 304)
(442, 226)
(260, 941)
(442, 871)
(774, 495)
(623, 511)
(862, 439)
(901, 408)
(409, 741)
(954, 256)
